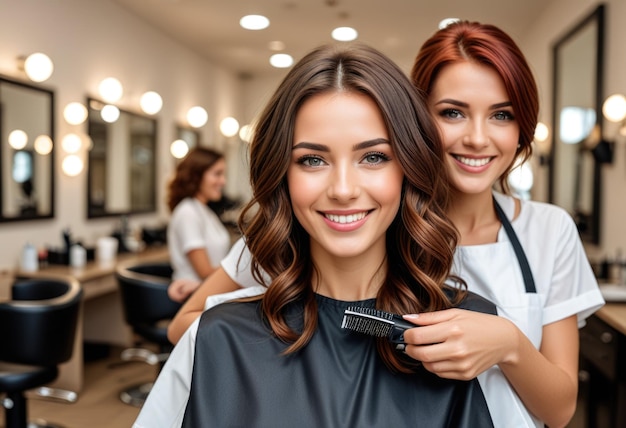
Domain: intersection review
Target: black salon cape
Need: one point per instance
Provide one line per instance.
(338, 380)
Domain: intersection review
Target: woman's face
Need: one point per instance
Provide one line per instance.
(344, 181)
(477, 123)
(213, 181)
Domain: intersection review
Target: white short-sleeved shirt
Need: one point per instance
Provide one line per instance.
(565, 286)
(194, 225)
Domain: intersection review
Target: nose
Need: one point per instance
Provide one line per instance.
(476, 135)
(344, 183)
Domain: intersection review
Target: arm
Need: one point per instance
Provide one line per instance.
(217, 283)
(461, 344)
(200, 262)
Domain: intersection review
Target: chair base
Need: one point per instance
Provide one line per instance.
(136, 395)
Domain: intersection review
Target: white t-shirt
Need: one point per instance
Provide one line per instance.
(564, 282)
(194, 225)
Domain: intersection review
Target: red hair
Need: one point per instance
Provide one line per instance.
(487, 45)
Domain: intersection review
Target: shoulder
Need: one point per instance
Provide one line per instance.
(230, 317)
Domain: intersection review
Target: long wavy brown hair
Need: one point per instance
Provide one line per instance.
(420, 241)
(486, 44)
(189, 172)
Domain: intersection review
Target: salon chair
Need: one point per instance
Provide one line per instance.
(37, 332)
(147, 309)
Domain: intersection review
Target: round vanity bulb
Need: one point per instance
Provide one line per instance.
(179, 149)
(38, 67)
(197, 116)
(344, 34)
(75, 113)
(18, 139)
(614, 108)
(151, 102)
(72, 165)
(245, 133)
(541, 132)
(110, 113)
(229, 126)
(110, 89)
(43, 144)
(71, 143)
(281, 60)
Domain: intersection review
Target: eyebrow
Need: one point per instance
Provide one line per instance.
(324, 148)
(462, 104)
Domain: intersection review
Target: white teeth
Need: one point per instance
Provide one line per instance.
(472, 161)
(345, 218)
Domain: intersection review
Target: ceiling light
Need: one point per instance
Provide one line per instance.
(245, 133)
(541, 132)
(75, 113)
(111, 89)
(344, 34)
(151, 102)
(445, 22)
(281, 60)
(254, 22)
(38, 67)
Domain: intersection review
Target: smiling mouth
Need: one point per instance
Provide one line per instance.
(473, 161)
(343, 219)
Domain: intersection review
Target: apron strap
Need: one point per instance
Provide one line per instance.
(529, 282)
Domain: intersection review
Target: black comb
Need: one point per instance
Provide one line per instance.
(376, 323)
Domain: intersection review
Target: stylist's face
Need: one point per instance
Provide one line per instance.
(479, 130)
(344, 180)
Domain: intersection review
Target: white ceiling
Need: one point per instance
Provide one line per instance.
(397, 27)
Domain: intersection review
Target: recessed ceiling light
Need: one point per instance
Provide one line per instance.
(254, 22)
(281, 60)
(344, 34)
(445, 22)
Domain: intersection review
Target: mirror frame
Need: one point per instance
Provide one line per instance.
(91, 212)
(51, 155)
(591, 233)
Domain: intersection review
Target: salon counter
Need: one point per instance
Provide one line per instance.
(101, 318)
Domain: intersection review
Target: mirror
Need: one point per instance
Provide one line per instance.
(26, 155)
(575, 172)
(189, 135)
(121, 169)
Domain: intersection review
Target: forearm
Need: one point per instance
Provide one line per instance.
(547, 381)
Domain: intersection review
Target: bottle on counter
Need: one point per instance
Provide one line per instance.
(29, 261)
(78, 256)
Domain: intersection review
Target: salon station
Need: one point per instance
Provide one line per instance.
(100, 100)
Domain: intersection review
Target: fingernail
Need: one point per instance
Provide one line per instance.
(411, 316)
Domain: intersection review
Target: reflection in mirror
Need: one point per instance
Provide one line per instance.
(577, 84)
(121, 175)
(26, 156)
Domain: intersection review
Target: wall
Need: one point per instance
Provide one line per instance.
(558, 17)
(88, 41)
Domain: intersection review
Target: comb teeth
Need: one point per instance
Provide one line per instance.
(368, 320)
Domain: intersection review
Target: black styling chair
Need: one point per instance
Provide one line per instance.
(37, 332)
(147, 309)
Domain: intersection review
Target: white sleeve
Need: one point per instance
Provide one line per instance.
(237, 265)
